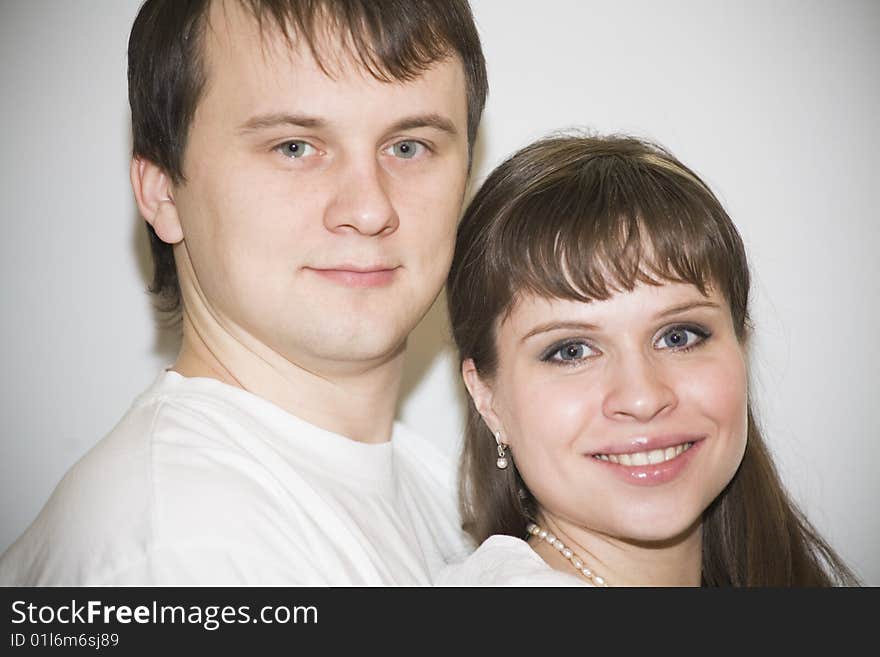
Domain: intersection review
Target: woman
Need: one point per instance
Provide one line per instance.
(599, 301)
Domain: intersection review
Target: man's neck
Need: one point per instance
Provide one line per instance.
(358, 402)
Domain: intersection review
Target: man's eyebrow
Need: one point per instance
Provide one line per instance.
(281, 119)
(274, 120)
(558, 326)
(690, 305)
(435, 121)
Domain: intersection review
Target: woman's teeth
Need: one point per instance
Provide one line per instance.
(645, 458)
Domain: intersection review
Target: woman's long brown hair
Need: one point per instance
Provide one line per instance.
(577, 217)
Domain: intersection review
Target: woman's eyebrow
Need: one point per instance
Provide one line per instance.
(586, 326)
(684, 307)
(557, 326)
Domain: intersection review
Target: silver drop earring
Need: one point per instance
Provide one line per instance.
(502, 458)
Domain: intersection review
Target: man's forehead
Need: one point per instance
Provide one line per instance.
(253, 72)
(235, 34)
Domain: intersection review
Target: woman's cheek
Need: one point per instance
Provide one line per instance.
(550, 415)
(719, 389)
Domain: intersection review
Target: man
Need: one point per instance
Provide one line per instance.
(301, 167)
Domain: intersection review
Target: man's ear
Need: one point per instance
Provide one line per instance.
(482, 395)
(154, 195)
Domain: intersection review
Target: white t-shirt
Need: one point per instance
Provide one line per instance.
(505, 561)
(202, 483)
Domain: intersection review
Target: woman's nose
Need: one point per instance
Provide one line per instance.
(638, 390)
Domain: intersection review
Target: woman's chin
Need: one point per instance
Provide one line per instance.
(658, 532)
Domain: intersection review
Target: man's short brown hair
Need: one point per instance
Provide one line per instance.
(394, 40)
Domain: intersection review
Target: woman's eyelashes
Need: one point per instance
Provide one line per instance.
(677, 338)
(568, 352)
(682, 337)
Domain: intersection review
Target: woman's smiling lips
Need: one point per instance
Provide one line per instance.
(355, 276)
(650, 461)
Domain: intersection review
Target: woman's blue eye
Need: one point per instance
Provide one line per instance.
(406, 150)
(571, 352)
(296, 149)
(679, 337)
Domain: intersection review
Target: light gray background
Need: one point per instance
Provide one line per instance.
(775, 103)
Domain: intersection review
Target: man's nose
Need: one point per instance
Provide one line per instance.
(638, 390)
(362, 203)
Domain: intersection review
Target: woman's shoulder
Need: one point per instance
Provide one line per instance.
(503, 560)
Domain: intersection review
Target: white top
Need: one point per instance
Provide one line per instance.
(505, 561)
(202, 483)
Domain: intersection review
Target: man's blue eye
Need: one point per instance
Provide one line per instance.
(296, 149)
(406, 149)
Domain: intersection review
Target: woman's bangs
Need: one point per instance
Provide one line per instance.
(603, 234)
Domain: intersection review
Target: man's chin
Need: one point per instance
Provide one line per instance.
(358, 349)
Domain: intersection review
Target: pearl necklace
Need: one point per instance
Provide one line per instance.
(574, 559)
